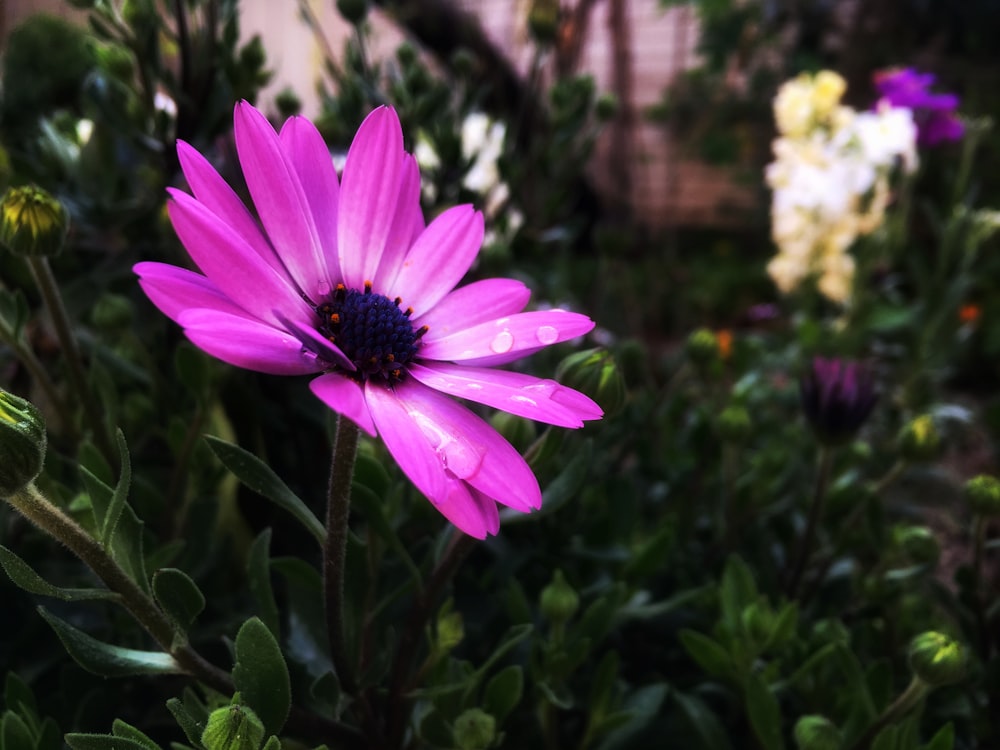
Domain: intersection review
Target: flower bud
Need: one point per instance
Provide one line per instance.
(112, 313)
(606, 107)
(450, 630)
(815, 732)
(758, 622)
(543, 20)
(937, 659)
(918, 543)
(32, 222)
(517, 431)
(837, 397)
(919, 440)
(982, 493)
(559, 601)
(353, 11)
(594, 373)
(702, 347)
(474, 729)
(288, 103)
(733, 425)
(22, 443)
(233, 728)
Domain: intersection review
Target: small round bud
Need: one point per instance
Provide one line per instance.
(594, 373)
(517, 431)
(758, 622)
(543, 20)
(838, 396)
(918, 543)
(702, 347)
(474, 729)
(937, 659)
(559, 601)
(353, 11)
(606, 107)
(733, 425)
(288, 103)
(139, 13)
(116, 60)
(450, 630)
(406, 53)
(112, 313)
(463, 62)
(32, 222)
(982, 493)
(22, 443)
(919, 440)
(233, 728)
(815, 732)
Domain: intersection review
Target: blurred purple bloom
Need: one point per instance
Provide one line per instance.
(342, 279)
(933, 113)
(837, 397)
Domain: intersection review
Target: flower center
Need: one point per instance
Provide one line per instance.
(372, 331)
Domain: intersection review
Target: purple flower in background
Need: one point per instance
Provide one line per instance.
(933, 113)
(344, 280)
(837, 397)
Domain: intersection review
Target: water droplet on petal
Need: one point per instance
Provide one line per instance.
(547, 334)
(524, 400)
(457, 456)
(543, 388)
(503, 342)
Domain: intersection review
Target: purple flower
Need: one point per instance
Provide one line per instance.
(837, 397)
(933, 113)
(344, 280)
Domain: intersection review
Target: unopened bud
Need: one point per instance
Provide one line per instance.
(559, 600)
(937, 659)
(733, 425)
(918, 543)
(594, 373)
(982, 493)
(543, 20)
(919, 440)
(450, 630)
(474, 729)
(353, 11)
(22, 443)
(815, 732)
(517, 431)
(233, 728)
(702, 347)
(32, 222)
(606, 107)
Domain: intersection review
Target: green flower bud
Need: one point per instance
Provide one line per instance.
(450, 630)
(233, 728)
(139, 13)
(32, 222)
(517, 431)
(919, 440)
(595, 373)
(288, 103)
(543, 20)
(815, 732)
(559, 601)
(733, 425)
(758, 622)
(116, 60)
(918, 543)
(474, 729)
(22, 443)
(463, 62)
(406, 53)
(353, 11)
(606, 107)
(112, 313)
(982, 493)
(702, 347)
(937, 659)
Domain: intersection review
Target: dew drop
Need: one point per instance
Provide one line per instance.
(547, 334)
(524, 400)
(543, 388)
(503, 342)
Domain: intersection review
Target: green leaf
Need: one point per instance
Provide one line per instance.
(192, 727)
(14, 312)
(27, 579)
(259, 581)
(121, 729)
(17, 696)
(503, 692)
(107, 660)
(514, 635)
(737, 591)
(944, 739)
(273, 743)
(126, 543)
(80, 741)
(706, 725)
(261, 675)
(50, 737)
(709, 654)
(259, 477)
(179, 596)
(14, 733)
(765, 715)
(643, 706)
(114, 511)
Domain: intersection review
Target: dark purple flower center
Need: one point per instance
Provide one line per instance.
(372, 331)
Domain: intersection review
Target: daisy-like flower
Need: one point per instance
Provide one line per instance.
(344, 280)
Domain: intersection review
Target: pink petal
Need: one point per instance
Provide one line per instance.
(406, 226)
(542, 400)
(439, 258)
(469, 448)
(232, 265)
(211, 190)
(174, 290)
(345, 397)
(468, 510)
(474, 303)
(368, 196)
(507, 339)
(309, 156)
(247, 343)
(280, 200)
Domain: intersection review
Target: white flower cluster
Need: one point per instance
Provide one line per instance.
(830, 179)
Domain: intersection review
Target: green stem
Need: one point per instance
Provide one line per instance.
(909, 698)
(47, 287)
(338, 509)
(815, 511)
(41, 376)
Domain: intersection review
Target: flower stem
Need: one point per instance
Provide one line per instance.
(338, 509)
(909, 698)
(815, 511)
(37, 370)
(47, 287)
